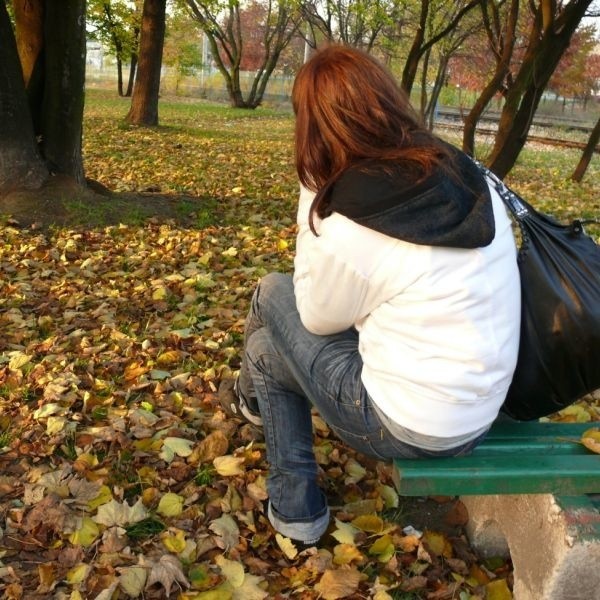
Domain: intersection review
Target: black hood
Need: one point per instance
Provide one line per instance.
(438, 211)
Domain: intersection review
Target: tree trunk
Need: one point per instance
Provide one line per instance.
(548, 42)
(502, 45)
(29, 27)
(64, 88)
(144, 102)
(20, 163)
(132, 70)
(419, 46)
(587, 154)
(119, 76)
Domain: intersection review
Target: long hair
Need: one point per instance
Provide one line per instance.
(350, 112)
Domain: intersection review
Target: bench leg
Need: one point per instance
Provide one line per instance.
(554, 542)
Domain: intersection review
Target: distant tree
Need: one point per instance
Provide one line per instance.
(227, 30)
(435, 20)
(358, 23)
(552, 26)
(116, 24)
(182, 51)
(144, 101)
(51, 36)
(573, 77)
(442, 52)
(587, 153)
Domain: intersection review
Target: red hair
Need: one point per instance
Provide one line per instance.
(351, 112)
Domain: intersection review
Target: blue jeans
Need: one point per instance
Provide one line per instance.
(288, 370)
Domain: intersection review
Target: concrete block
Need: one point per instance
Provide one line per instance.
(553, 541)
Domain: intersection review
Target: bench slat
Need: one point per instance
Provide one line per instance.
(516, 458)
(530, 474)
(530, 429)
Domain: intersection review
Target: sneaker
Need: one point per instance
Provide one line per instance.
(235, 405)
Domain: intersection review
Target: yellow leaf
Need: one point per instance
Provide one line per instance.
(338, 584)
(175, 446)
(345, 532)
(55, 425)
(591, 439)
(174, 542)
(287, 546)
(282, 245)
(389, 495)
(229, 465)
(438, 544)
(18, 360)
(370, 523)
(380, 545)
(231, 251)
(344, 554)
(170, 505)
(232, 570)
(78, 574)
(133, 580)
(103, 497)
(160, 293)
(497, 590)
(86, 534)
(170, 357)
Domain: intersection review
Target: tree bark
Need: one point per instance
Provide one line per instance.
(132, 71)
(29, 27)
(144, 102)
(20, 164)
(64, 87)
(547, 44)
(587, 154)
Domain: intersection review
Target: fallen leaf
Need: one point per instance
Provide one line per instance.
(227, 531)
(229, 465)
(338, 584)
(167, 572)
(591, 439)
(132, 580)
(170, 505)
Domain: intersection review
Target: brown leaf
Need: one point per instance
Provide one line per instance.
(166, 572)
(338, 584)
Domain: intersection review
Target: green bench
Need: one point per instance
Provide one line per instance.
(532, 491)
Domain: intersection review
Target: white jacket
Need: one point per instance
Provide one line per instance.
(438, 327)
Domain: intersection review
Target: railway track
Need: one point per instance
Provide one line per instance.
(547, 141)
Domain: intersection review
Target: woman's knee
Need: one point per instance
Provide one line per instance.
(260, 350)
(273, 285)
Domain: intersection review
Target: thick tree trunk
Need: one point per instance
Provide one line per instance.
(548, 42)
(20, 163)
(144, 102)
(587, 154)
(64, 89)
(29, 27)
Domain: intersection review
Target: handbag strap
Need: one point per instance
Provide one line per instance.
(513, 202)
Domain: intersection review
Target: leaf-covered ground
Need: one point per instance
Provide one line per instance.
(119, 475)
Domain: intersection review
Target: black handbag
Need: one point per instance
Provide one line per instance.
(559, 350)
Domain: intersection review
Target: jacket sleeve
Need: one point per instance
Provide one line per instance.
(332, 294)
